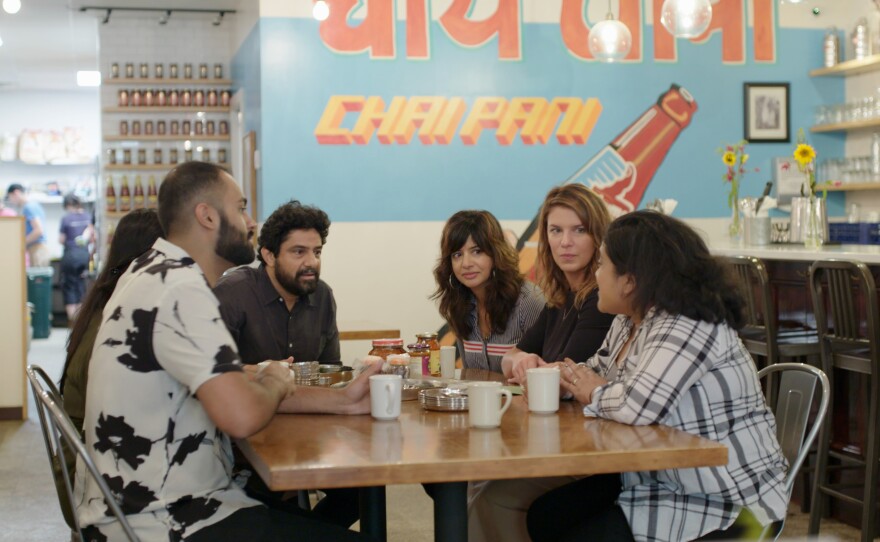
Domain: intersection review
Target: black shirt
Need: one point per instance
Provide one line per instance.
(561, 333)
(264, 329)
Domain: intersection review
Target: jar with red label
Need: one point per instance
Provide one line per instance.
(148, 97)
(135, 127)
(209, 127)
(160, 127)
(148, 127)
(161, 98)
(218, 71)
(199, 98)
(175, 127)
(421, 354)
(187, 71)
(145, 70)
(172, 71)
(212, 98)
(225, 97)
(186, 97)
(199, 127)
(173, 98)
(224, 127)
(123, 127)
(187, 127)
(385, 347)
(431, 340)
(159, 70)
(136, 99)
(129, 70)
(203, 71)
(124, 98)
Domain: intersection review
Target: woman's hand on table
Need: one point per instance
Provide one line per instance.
(523, 363)
(579, 380)
(358, 391)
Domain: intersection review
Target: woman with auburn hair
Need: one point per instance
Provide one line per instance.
(572, 223)
(483, 296)
(672, 357)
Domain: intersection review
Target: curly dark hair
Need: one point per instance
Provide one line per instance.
(594, 216)
(673, 269)
(293, 215)
(502, 290)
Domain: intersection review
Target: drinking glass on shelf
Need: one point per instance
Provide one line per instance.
(867, 108)
(821, 114)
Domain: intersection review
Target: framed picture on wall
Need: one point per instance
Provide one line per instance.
(766, 112)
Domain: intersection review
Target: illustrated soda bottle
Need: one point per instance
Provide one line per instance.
(124, 195)
(110, 195)
(152, 193)
(138, 193)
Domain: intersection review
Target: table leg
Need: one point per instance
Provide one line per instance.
(372, 508)
(450, 512)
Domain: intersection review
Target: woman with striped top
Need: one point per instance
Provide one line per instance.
(483, 296)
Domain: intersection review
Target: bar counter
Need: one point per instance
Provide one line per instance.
(869, 254)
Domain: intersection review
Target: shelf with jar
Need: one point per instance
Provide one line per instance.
(190, 137)
(172, 130)
(126, 71)
(126, 158)
(167, 81)
(847, 126)
(166, 109)
(838, 186)
(150, 167)
(153, 98)
(855, 66)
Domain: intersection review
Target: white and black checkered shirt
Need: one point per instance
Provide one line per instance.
(696, 377)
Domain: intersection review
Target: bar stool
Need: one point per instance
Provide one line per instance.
(761, 334)
(847, 346)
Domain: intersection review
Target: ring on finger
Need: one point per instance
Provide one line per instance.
(575, 381)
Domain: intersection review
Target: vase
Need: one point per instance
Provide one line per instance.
(815, 223)
(735, 228)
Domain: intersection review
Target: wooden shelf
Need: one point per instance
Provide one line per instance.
(846, 126)
(853, 187)
(154, 109)
(850, 67)
(146, 167)
(167, 81)
(191, 137)
(116, 214)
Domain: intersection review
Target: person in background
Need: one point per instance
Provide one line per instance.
(672, 357)
(282, 308)
(76, 235)
(6, 211)
(167, 389)
(483, 296)
(135, 234)
(572, 223)
(34, 220)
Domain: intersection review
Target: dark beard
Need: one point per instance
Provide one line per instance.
(293, 284)
(231, 246)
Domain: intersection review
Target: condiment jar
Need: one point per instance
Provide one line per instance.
(398, 365)
(430, 339)
(419, 353)
(385, 347)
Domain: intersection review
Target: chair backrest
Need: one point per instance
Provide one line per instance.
(835, 286)
(797, 388)
(39, 380)
(58, 429)
(755, 285)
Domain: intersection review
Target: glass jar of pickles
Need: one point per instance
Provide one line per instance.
(386, 347)
(430, 339)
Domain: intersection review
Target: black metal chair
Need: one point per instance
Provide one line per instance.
(847, 346)
(762, 335)
(57, 429)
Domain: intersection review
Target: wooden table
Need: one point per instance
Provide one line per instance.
(298, 451)
(365, 331)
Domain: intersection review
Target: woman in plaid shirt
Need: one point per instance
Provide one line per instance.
(672, 357)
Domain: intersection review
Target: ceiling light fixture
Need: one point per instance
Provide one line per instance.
(610, 40)
(11, 6)
(320, 11)
(686, 18)
(165, 13)
(88, 78)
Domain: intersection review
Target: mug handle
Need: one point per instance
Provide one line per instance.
(506, 405)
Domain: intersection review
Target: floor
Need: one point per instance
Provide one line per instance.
(29, 509)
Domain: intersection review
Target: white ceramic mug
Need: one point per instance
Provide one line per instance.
(447, 362)
(385, 391)
(542, 384)
(484, 404)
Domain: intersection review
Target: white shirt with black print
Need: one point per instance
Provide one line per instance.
(169, 466)
(697, 377)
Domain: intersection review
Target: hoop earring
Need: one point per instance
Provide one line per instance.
(493, 272)
(451, 284)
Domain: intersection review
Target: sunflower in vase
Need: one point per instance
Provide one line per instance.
(805, 156)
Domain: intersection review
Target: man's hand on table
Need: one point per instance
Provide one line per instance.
(358, 391)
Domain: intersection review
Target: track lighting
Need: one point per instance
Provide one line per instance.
(218, 19)
(164, 13)
(107, 17)
(163, 19)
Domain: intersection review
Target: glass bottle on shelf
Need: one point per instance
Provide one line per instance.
(138, 193)
(152, 193)
(124, 195)
(110, 195)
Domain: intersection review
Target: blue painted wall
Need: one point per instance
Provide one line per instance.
(295, 74)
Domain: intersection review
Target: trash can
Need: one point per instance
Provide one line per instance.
(39, 292)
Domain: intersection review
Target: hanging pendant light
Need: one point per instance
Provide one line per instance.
(610, 40)
(686, 18)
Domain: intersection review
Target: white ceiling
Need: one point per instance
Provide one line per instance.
(46, 42)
